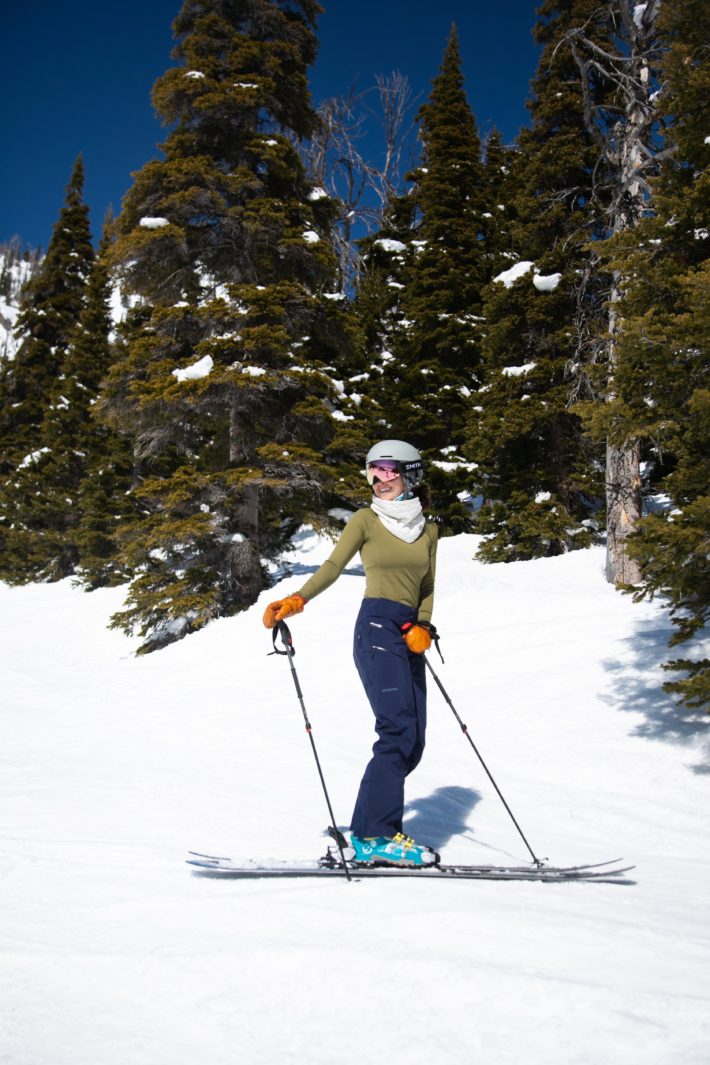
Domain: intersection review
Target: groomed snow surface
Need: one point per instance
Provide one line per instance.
(112, 767)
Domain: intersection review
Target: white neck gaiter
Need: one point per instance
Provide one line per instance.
(403, 517)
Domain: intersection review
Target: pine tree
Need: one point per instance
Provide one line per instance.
(378, 313)
(51, 304)
(39, 465)
(227, 386)
(662, 374)
(432, 359)
(101, 458)
(538, 476)
(46, 538)
(500, 190)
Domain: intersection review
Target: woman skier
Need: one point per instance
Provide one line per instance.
(393, 630)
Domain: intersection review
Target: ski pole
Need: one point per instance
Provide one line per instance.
(464, 729)
(285, 634)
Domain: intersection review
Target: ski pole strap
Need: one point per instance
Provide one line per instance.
(435, 638)
(281, 629)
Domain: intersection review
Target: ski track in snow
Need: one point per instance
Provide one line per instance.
(113, 766)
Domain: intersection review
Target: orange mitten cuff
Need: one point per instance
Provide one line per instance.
(282, 609)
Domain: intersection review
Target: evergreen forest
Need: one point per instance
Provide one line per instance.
(193, 384)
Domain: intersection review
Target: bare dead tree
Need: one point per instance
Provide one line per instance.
(333, 160)
(339, 159)
(395, 109)
(623, 126)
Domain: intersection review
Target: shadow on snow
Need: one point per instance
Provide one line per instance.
(636, 686)
(438, 817)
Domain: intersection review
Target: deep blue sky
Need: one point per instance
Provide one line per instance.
(76, 77)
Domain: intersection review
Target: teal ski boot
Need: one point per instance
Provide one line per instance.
(399, 850)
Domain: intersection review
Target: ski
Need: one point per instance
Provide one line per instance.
(330, 865)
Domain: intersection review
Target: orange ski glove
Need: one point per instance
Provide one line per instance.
(282, 609)
(417, 637)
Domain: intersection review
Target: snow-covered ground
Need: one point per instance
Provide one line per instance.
(112, 767)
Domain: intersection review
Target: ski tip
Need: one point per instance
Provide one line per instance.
(210, 857)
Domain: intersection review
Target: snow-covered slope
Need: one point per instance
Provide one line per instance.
(14, 273)
(112, 766)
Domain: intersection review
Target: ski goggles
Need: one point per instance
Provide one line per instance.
(383, 470)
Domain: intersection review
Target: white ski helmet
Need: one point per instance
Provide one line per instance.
(399, 451)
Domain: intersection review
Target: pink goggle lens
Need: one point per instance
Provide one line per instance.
(385, 470)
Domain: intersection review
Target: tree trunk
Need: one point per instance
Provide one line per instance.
(623, 510)
(246, 576)
(623, 477)
(627, 148)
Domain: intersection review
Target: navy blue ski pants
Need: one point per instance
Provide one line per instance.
(395, 683)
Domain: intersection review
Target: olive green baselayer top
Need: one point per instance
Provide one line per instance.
(394, 569)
